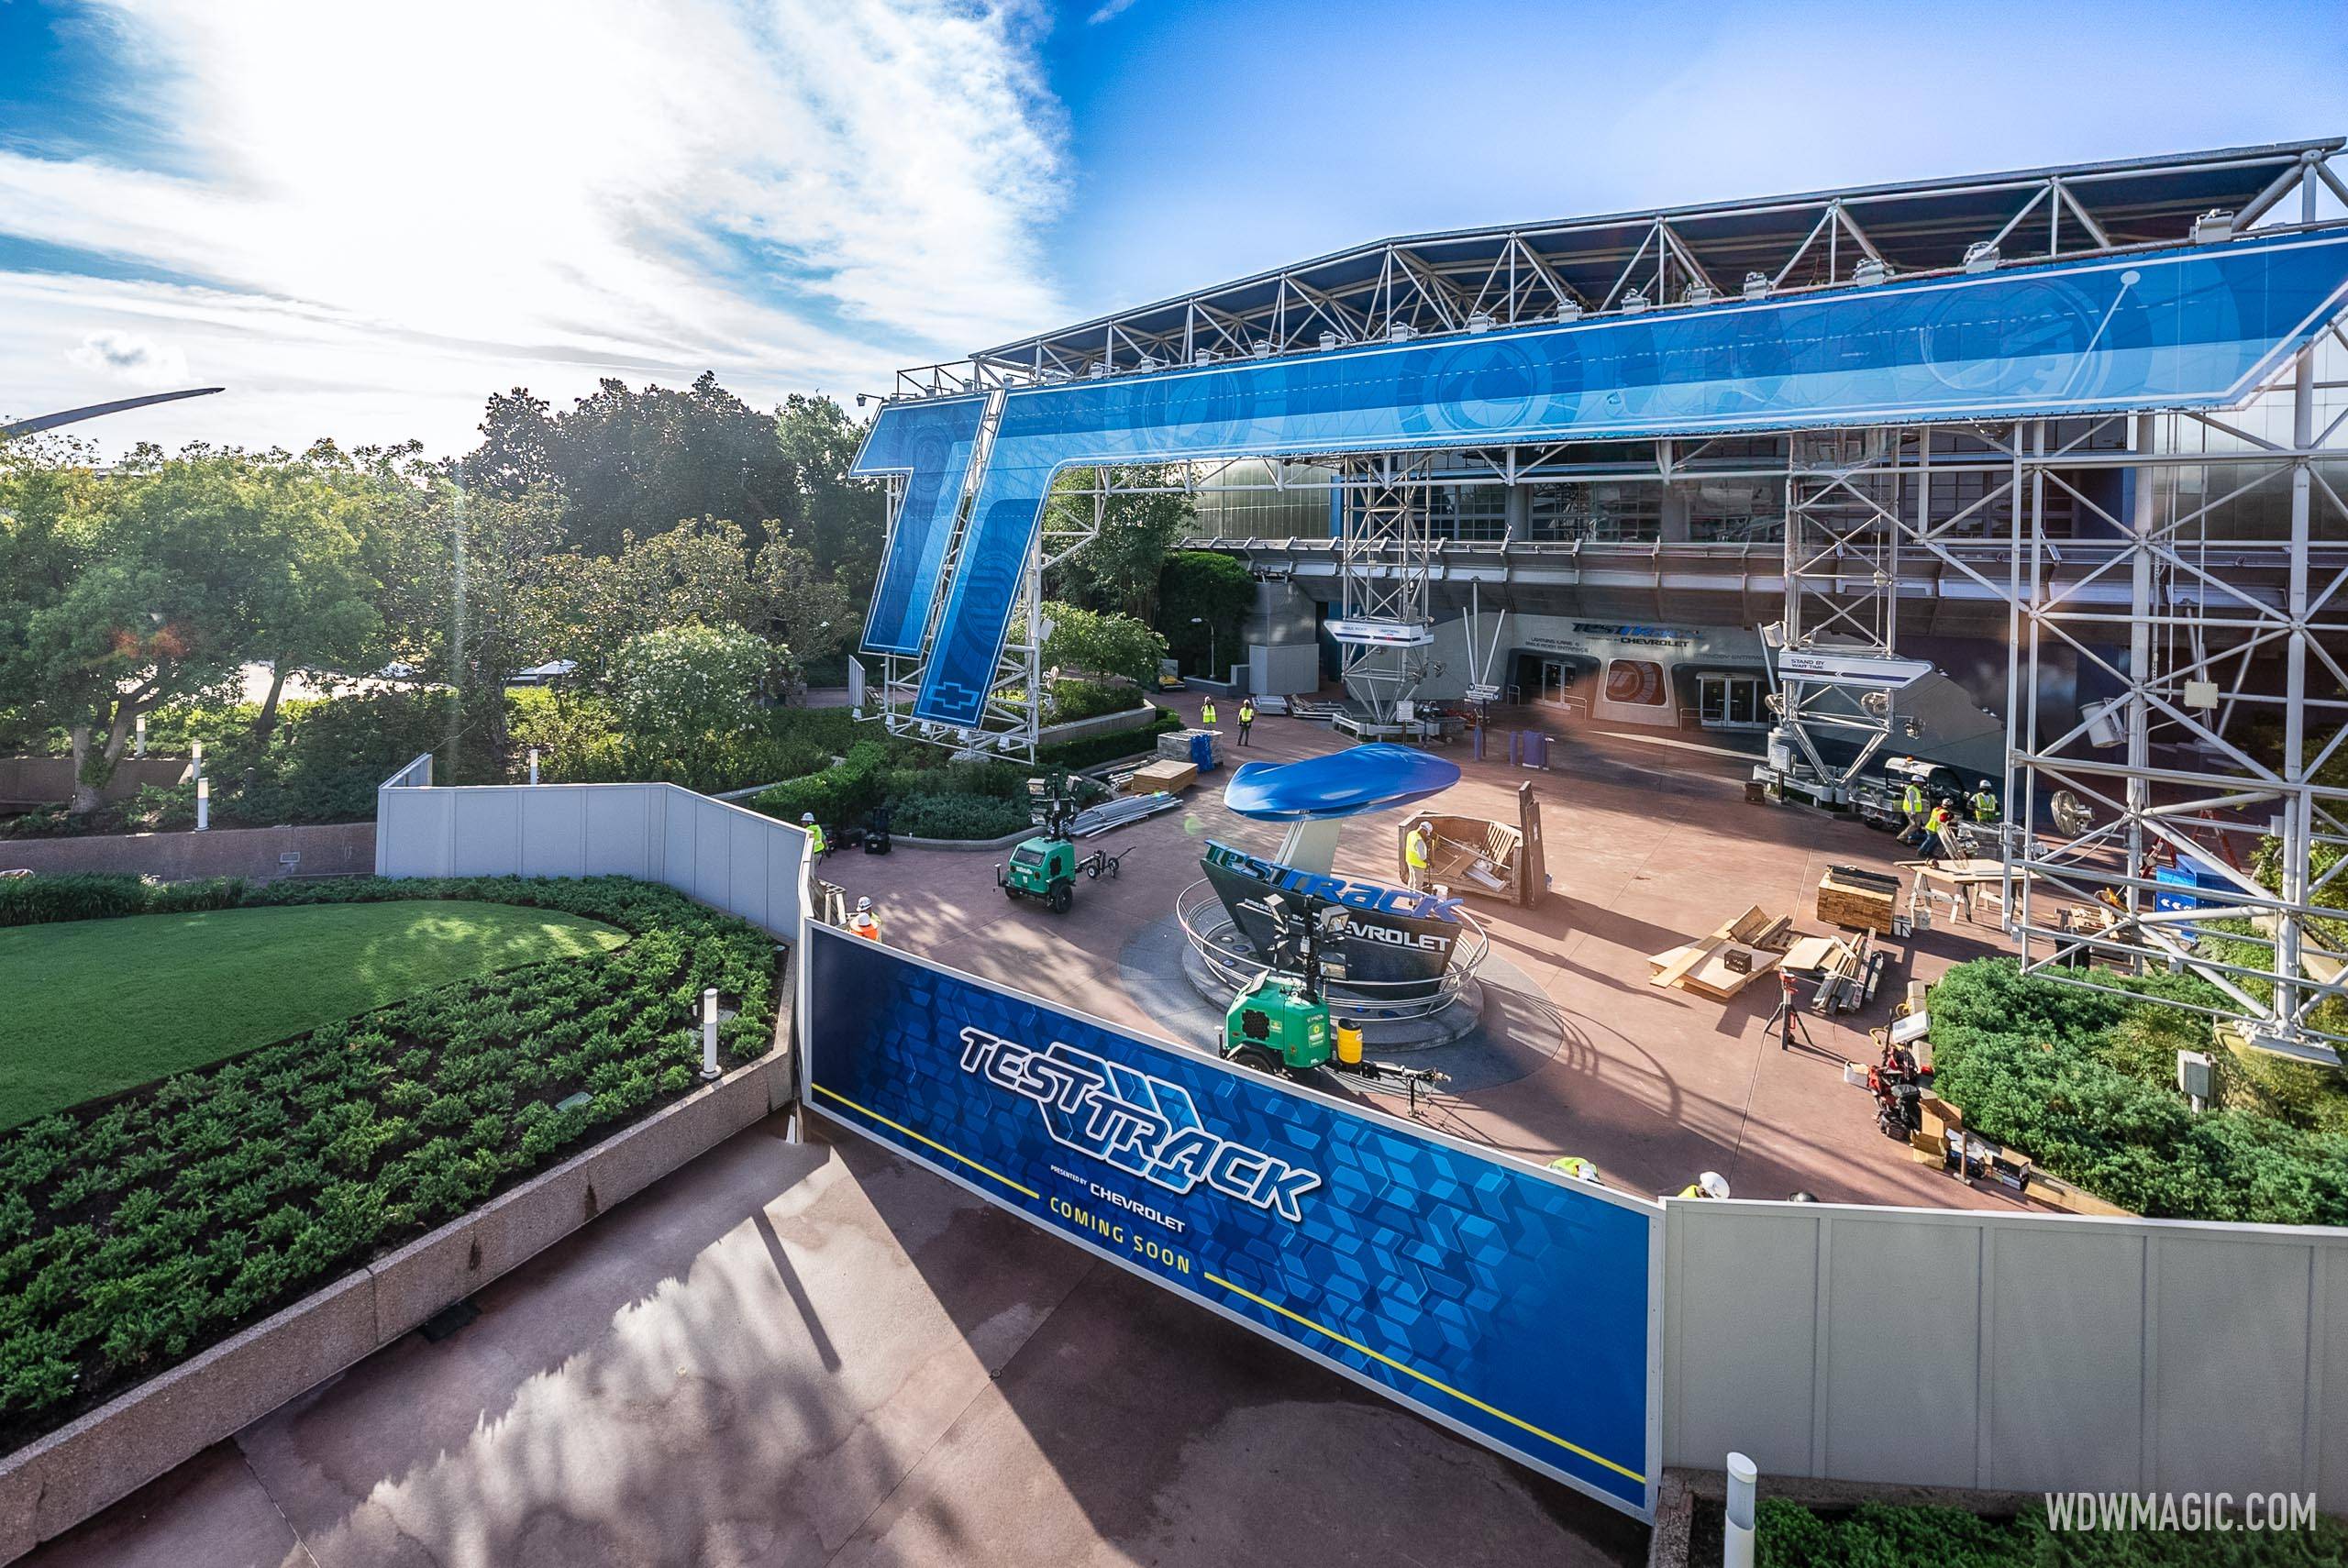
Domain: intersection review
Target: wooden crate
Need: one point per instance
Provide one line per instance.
(1854, 907)
(1165, 774)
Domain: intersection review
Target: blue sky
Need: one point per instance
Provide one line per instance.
(364, 219)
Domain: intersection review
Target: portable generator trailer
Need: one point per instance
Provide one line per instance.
(1280, 1022)
(1045, 867)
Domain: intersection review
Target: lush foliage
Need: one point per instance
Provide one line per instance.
(1107, 644)
(137, 1232)
(1119, 567)
(686, 694)
(1788, 1535)
(1073, 700)
(563, 536)
(1092, 751)
(2077, 1080)
(159, 583)
(181, 990)
(839, 795)
(950, 815)
(1213, 591)
(98, 895)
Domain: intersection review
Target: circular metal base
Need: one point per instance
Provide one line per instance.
(1386, 1035)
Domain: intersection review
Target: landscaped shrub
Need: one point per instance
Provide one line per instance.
(1788, 1535)
(1074, 700)
(839, 795)
(1094, 750)
(101, 894)
(2046, 1068)
(137, 1232)
(959, 816)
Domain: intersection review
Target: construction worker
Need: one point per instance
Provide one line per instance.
(1206, 714)
(1577, 1167)
(1938, 843)
(1711, 1184)
(1418, 853)
(1985, 803)
(1912, 806)
(864, 922)
(817, 842)
(1246, 717)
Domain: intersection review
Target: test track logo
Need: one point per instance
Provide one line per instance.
(1138, 1123)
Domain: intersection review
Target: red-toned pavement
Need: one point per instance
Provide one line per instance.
(1650, 843)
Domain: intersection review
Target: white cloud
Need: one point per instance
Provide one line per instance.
(1109, 12)
(408, 206)
(141, 360)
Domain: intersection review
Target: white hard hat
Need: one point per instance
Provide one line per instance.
(1427, 822)
(806, 816)
(863, 906)
(1986, 785)
(1714, 1184)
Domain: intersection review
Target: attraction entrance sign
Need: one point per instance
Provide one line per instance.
(1511, 1304)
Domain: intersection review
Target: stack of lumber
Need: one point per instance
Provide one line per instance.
(1841, 968)
(1165, 774)
(1860, 899)
(1730, 958)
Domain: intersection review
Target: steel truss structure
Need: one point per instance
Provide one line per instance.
(1476, 280)
(2225, 641)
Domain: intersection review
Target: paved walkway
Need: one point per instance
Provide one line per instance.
(798, 1355)
(1648, 846)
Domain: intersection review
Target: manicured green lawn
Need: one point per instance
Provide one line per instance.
(90, 1007)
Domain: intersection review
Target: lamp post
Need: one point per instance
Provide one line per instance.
(1202, 621)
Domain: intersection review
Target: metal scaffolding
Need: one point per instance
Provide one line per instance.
(2137, 558)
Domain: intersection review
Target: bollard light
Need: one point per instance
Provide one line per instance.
(141, 751)
(1736, 1538)
(202, 804)
(534, 765)
(195, 757)
(709, 1036)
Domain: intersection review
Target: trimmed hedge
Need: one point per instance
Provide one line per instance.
(136, 1232)
(2040, 1065)
(950, 815)
(102, 895)
(1788, 1535)
(1094, 750)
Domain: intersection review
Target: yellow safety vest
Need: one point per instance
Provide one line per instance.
(1984, 807)
(1247, 712)
(1415, 851)
(815, 839)
(1913, 800)
(1206, 711)
(1693, 1189)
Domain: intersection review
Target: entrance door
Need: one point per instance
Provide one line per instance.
(1552, 680)
(1730, 702)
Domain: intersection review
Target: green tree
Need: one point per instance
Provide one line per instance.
(475, 586)
(1216, 590)
(637, 460)
(1119, 567)
(685, 694)
(805, 614)
(842, 521)
(159, 583)
(1109, 644)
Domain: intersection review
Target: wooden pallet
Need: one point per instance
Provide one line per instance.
(1730, 958)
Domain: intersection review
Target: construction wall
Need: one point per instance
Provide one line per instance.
(2006, 1350)
(729, 858)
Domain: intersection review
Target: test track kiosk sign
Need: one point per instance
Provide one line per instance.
(1507, 1302)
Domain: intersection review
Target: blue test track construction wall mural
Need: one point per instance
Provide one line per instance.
(2194, 327)
(1509, 1303)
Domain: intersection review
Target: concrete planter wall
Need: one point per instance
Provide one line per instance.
(56, 1482)
(50, 778)
(329, 849)
(1099, 725)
